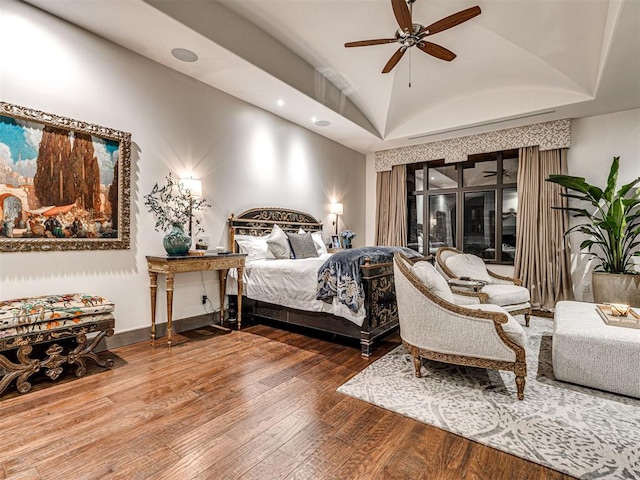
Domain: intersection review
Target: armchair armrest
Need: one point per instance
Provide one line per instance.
(505, 279)
(467, 297)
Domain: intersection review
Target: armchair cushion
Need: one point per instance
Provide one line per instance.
(506, 294)
(466, 265)
(431, 279)
(512, 328)
(465, 299)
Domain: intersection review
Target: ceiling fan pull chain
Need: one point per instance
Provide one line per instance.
(409, 68)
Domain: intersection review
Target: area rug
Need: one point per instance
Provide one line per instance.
(585, 433)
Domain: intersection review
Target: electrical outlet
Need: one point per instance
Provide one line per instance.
(585, 289)
(204, 299)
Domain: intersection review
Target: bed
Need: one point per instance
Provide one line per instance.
(265, 298)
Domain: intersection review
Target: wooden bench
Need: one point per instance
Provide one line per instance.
(41, 321)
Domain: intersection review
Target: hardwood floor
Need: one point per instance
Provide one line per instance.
(256, 404)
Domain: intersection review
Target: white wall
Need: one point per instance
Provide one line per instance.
(594, 143)
(245, 157)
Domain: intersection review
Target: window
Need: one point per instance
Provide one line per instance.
(455, 205)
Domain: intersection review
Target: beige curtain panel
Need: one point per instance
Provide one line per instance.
(391, 207)
(543, 257)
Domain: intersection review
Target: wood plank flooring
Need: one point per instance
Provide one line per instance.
(256, 404)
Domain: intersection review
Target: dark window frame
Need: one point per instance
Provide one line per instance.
(459, 191)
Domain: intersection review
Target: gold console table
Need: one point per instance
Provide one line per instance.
(170, 265)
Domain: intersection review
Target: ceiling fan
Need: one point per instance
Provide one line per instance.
(413, 34)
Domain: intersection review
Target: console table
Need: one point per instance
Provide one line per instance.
(170, 265)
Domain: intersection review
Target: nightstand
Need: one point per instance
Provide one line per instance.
(170, 265)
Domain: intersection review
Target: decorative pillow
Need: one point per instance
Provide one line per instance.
(303, 245)
(279, 243)
(317, 238)
(320, 246)
(433, 280)
(256, 248)
(468, 266)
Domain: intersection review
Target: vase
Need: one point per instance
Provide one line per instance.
(616, 288)
(347, 243)
(176, 242)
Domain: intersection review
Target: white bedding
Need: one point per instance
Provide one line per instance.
(290, 283)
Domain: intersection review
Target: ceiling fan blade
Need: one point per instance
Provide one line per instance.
(395, 58)
(365, 43)
(403, 15)
(451, 20)
(436, 50)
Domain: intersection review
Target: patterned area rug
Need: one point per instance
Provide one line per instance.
(583, 432)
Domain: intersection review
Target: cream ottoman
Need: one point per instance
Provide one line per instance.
(587, 351)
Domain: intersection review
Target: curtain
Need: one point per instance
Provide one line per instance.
(391, 207)
(542, 254)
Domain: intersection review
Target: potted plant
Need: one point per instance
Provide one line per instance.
(613, 233)
(173, 206)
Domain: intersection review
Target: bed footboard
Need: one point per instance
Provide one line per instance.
(380, 304)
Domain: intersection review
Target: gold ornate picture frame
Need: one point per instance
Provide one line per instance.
(64, 183)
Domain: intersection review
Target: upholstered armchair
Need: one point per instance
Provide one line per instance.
(433, 327)
(505, 291)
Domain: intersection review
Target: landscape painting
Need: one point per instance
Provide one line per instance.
(64, 184)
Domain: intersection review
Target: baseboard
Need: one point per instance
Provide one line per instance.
(144, 334)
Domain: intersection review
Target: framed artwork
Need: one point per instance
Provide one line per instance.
(64, 183)
(335, 241)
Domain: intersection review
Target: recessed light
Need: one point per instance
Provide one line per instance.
(322, 123)
(184, 55)
(280, 102)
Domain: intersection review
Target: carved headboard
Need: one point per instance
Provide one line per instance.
(260, 221)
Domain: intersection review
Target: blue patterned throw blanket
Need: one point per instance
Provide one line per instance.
(339, 276)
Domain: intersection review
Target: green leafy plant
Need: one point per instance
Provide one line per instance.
(173, 205)
(614, 226)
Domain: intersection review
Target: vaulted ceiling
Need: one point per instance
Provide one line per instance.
(518, 62)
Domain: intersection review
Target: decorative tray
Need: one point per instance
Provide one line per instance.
(632, 320)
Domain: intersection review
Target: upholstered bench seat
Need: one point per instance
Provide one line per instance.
(587, 351)
(29, 321)
(33, 314)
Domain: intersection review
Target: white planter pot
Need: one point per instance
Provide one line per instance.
(616, 288)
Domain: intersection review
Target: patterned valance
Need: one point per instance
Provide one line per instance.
(548, 136)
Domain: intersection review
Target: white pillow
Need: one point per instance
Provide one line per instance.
(320, 246)
(431, 279)
(256, 248)
(279, 243)
(468, 266)
(317, 239)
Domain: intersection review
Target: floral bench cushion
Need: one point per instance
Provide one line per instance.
(25, 315)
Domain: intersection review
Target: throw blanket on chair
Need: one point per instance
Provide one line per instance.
(339, 276)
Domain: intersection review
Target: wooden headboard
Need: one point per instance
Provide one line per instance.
(260, 221)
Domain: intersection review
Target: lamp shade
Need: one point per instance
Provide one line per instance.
(194, 186)
(336, 208)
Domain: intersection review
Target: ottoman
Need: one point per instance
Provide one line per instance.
(587, 351)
